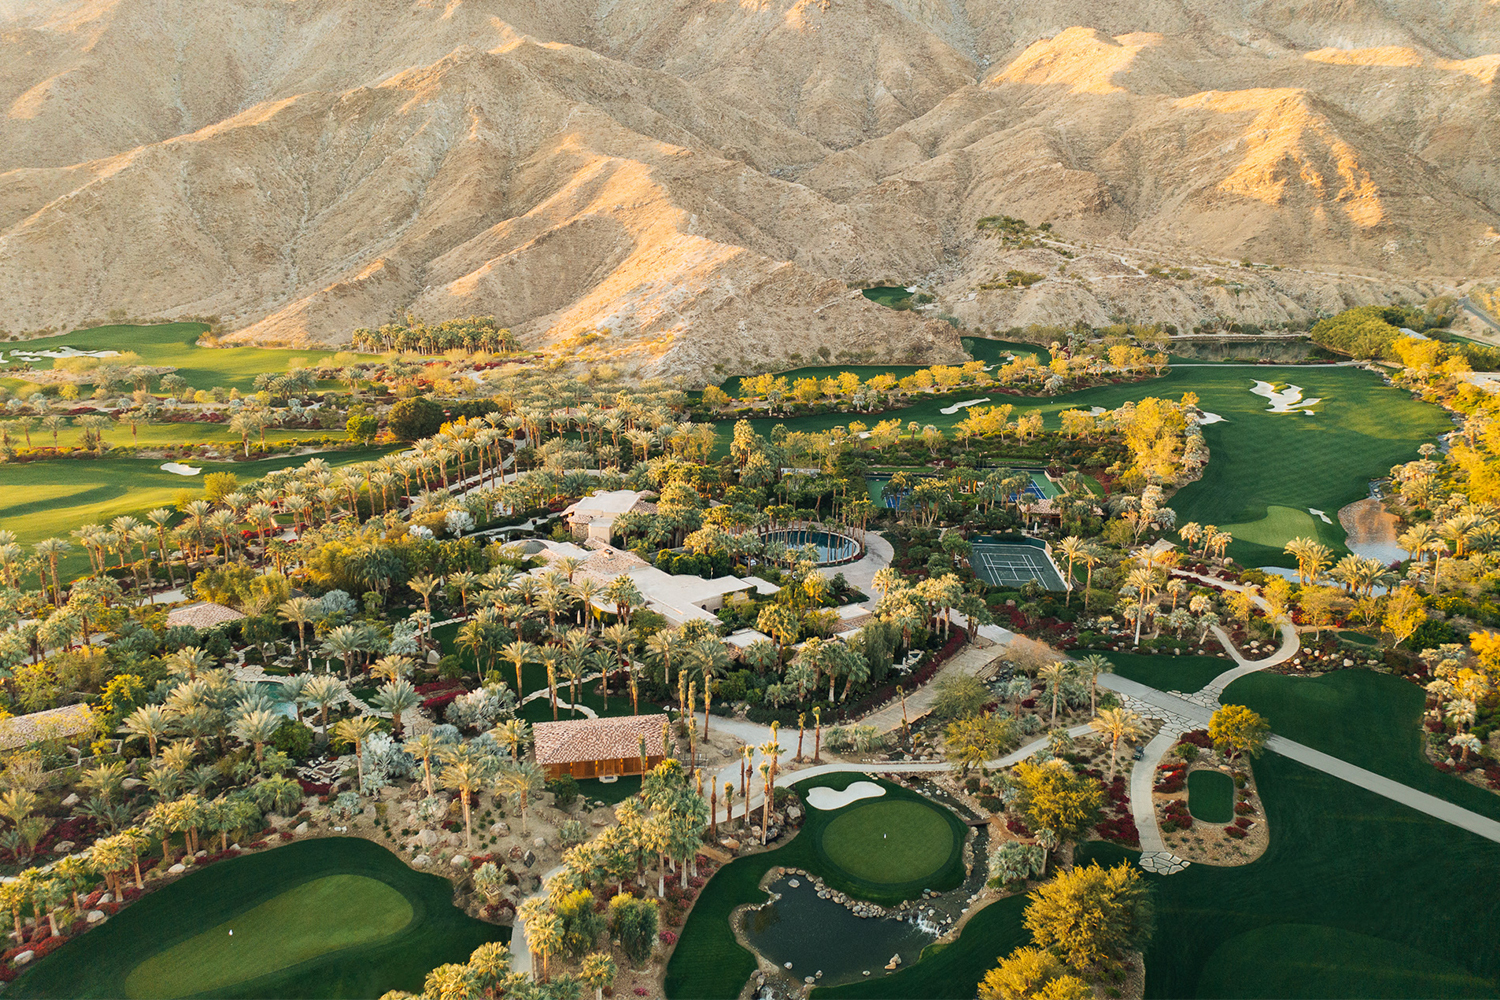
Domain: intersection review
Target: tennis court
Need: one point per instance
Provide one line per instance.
(1003, 565)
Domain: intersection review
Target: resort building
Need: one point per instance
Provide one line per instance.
(592, 519)
(600, 748)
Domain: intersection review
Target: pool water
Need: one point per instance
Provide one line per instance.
(820, 935)
(831, 548)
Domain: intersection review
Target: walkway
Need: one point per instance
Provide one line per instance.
(971, 660)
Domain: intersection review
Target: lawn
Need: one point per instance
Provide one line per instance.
(1211, 797)
(320, 918)
(173, 344)
(167, 435)
(1260, 460)
(301, 924)
(709, 963)
(889, 840)
(1169, 673)
(1369, 719)
(1356, 896)
(45, 499)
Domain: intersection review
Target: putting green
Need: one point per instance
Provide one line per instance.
(889, 842)
(330, 917)
(314, 918)
(1211, 796)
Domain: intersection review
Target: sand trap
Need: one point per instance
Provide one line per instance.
(950, 410)
(1210, 418)
(63, 352)
(827, 798)
(1315, 512)
(1097, 411)
(178, 469)
(1288, 400)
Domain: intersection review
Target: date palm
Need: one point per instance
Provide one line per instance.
(465, 775)
(322, 691)
(354, 732)
(1117, 725)
(257, 729)
(397, 697)
(1054, 674)
(518, 782)
(520, 653)
(149, 722)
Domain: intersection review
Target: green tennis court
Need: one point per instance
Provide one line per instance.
(1002, 565)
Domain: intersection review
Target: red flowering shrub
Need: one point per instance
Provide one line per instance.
(668, 938)
(1017, 827)
(1244, 809)
(1234, 833)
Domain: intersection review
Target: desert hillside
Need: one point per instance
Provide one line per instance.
(674, 187)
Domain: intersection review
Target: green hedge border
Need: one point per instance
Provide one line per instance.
(96, 964)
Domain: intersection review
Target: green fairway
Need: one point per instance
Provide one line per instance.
(709, 964)
(1356, 896)
(338, 917)
(168, 435)
(1369, 719)
(302, 923)
(1260, 460)
(888, 840)
(173, 344)
(1211, 797)
(43, 499)
(1169, 673)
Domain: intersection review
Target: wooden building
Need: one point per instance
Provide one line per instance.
(599, 748)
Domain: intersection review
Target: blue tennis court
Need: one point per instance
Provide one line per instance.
(1002, 565)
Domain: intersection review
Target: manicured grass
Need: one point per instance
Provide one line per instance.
(887, 295)
(1356, 896)
(166, 435)
(612, 793)
(1369, 719)
(49, 498)
(709, 963)
(1211, 797)
(1169, 673)
(888, 840)
(1260, 460)
(137, 952)
(301, 924)
(173, 344)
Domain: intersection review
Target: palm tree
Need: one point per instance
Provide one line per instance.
(322, 691)
(520, 653)
(512, 733)
(1091, 557)
(49, 550)
(1089, 668)
(517, 783)
(396, 697)
(464, 775)
(424, 748)
(1054, 674)
(355, 731)
(711, 660)
(1117, 725)
(621, 636)
(1072, 547)
(149, 721)
(258, 728)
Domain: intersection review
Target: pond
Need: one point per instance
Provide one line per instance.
(819, 935)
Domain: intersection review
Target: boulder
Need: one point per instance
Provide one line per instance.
(95, 916)
(427, 838)
(24, 957)
(539, 842)
(177, 869)
(63, 847)
(499, 829)
(793, 813)
(131, 783)
(71, 800)
(459, 861)
(421, 861)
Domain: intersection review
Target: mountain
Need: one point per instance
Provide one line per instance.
(673, 186)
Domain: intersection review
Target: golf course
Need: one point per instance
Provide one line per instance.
(1356, 896)
(1268, 470)
(316, 918)
(922, 849)
(165, 344)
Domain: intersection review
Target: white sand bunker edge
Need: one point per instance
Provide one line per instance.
(950, 410)
(827, 798)
(178, 469)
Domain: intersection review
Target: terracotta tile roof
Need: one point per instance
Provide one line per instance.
(597, 739)
(204, 614)
(55, 723)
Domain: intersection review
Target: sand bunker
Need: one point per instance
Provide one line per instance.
(950, 410)
(827, 798)
(178, 469)
(63, 352)
(1210, 418)
(1288, 400)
